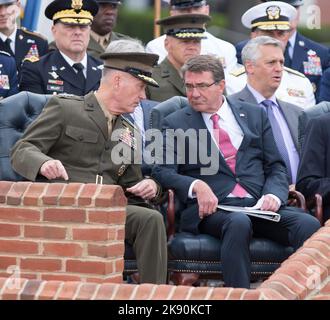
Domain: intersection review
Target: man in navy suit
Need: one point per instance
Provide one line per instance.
(69, 69)
(314, 169)
(263, 60)
(8, 75)
(18, 42)
(246, 169)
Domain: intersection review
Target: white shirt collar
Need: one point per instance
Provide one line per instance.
(223, 111)
(12, 37)
(71, 62)
(259, 97)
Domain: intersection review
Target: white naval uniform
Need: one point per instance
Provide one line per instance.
(224, 50)
(295, 87)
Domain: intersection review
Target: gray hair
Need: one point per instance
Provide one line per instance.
(251, 50)
(203, 63)
(125, 45)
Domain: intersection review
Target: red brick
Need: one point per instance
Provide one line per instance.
(270, 294)
(281, 289)
(124, 292)
(15, 194)
(5, 186)
(19, 247)
(49, 290)
(30, 290)
(19, 215)
(111, 196)
(64, 215)
(119, 265)
(70, 194)
(162, 292)
(5, 262)
(87, 291)
(44, 232)
(237, 294)
(12, 289)
(106, 291)
(33, 193)
(37, 264)
(89, 267)
(252, 295)
(220, 293)
(180, 293)
(87, 195)
(113, 278)
(107, 217)
(9, 230)
(120, 234)
(326, 289)
(321, 297)
(62, 249)
(144, 291)
(59, 277)
(68, 290)
(53, 193)
(106, 251)
(90, 234)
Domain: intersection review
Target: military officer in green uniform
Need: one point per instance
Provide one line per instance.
(102, 28)
(86, 139)
(184, 34)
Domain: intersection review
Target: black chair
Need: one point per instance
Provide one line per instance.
(193, 257)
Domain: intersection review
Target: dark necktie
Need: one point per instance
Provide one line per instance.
(81, 80)
(277, 133)
(288, 60)
(8, 47)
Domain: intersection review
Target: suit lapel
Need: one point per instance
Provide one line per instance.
(172, 75)
(299, 53)
(94, 74)
(96, 114)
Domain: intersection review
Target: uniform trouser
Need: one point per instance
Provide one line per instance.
(236, 229)
(145, 231)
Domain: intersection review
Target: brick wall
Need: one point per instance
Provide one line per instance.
(66, 232)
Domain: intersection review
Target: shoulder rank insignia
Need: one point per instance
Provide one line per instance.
(238, 72)
(294, 72)
(5, 53)
(37, 34)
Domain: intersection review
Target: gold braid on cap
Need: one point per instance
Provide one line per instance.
(72, 14)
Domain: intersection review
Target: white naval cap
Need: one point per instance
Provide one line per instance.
(271, 15)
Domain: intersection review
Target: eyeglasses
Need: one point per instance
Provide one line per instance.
(199, 86)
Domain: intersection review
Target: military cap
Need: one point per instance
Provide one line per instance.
(183, 4)
(295, 3)
(76, 12)
(271, 15)
(7, 2)
(138, 64)
(109, 1)
(185, 26)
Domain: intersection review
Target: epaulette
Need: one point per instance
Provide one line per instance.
(238, 72)
(31, 59)
(294, 72)
(37, 34)
(70, 96)
(5, 53)
(127, 123)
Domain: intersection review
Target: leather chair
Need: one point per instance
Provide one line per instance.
(192, 257)
(16, 113)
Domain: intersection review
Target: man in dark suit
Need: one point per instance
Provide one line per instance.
(18, 42)
(86, 139)
(69, 69)
(325, 86)
(305, 55)
(184, 34)
(8, 75)
(245, 169)
(314, 169)
(263, 60)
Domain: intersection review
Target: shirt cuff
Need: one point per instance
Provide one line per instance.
(192, 195)
(276, 198)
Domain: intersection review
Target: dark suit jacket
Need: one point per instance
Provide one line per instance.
(259, 167)
(52, 74)
(300, 54)
(27, 42)
(8, 76)
(169, 80)
(325, 86)
(290, 111)
(74, 130)
(239, 47)
(314, 170)
(147, 105)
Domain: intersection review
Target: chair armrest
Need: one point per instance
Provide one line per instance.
(170, 214)
(316, 203)
(297, 199)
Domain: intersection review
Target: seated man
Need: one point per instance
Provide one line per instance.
(86, 139)
(8, 75)
(314, 170)
(245, 169)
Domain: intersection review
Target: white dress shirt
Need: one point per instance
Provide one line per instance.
(12, 37)
(71, 62)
